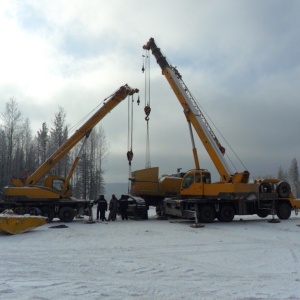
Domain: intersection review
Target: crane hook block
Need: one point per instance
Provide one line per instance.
(147, 110)
(129, 156)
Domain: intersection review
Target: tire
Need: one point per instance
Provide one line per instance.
(265, 187)
(33, 211)
(283, 189)
(226, 213)
(207, 214)
(263, 213)
(48, 213)
(66, 214)
(218, 216)
(283, 211)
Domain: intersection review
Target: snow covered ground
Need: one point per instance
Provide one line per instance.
(154, 259)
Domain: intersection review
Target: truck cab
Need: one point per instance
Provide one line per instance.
(193, 182)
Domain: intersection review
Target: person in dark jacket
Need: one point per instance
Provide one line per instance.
(113, 208)
(123, 202)
(101, 207)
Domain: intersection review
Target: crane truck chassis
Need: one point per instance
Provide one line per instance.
(50, 195)
(193, 195)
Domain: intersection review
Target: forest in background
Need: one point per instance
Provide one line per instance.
(21, 153)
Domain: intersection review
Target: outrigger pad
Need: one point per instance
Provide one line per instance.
(197, 225)
(274, 221)
(59, 226)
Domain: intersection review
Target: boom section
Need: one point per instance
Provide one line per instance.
(193, 113)
(83, 131)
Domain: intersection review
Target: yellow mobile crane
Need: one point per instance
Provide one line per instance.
(233, 194)
(53, 198)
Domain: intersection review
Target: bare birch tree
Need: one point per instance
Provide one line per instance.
(58, 135)
(12, 118)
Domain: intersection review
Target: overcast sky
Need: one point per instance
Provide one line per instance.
(240, 59)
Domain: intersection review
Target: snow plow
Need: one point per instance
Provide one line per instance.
(12, 223)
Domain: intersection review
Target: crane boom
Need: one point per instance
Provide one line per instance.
(53, 197)
(193, 113)
(192, 194)
(83, 131)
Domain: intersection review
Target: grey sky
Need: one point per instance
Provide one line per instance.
(240, 59)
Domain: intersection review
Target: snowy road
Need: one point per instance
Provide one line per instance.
(249, 259)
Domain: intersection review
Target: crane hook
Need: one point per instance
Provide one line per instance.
(129, 157)
(147, 110)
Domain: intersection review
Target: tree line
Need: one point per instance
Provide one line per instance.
(21, 152)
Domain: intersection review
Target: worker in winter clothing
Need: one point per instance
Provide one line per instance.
(123, 202)
(101, 207)
(113, 208)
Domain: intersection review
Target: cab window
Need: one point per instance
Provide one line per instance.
(188, 181)
(206, 178)
(197, 177)
(58, 184)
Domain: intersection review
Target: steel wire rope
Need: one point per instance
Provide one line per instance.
(211, 121)
(225, 140)
(130, 137)
(147, 106)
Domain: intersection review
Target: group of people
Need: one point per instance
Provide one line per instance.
(113, 206)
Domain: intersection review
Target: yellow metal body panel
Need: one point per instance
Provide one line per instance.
(217, 189)
(146, 182)
(170, 185)
(14, 224)
(295, 203)
(32, 192)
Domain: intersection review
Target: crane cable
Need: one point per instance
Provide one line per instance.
(147, 109)
(129, 137)
(130, 131)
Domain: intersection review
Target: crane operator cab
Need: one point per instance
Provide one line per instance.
(58, 184)
(193, 182)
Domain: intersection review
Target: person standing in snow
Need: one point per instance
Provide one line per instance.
(101, 207)
(113, 207)
(123, 202)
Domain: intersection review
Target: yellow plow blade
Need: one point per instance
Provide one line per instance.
(13, 224)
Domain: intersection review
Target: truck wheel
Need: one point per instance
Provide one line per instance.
(34, 211)
(66, 214)
(262, 213)
(48, 213)
(265, 187)
(283, 211)
(226, 213)
(207, 214)
(283, 189)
